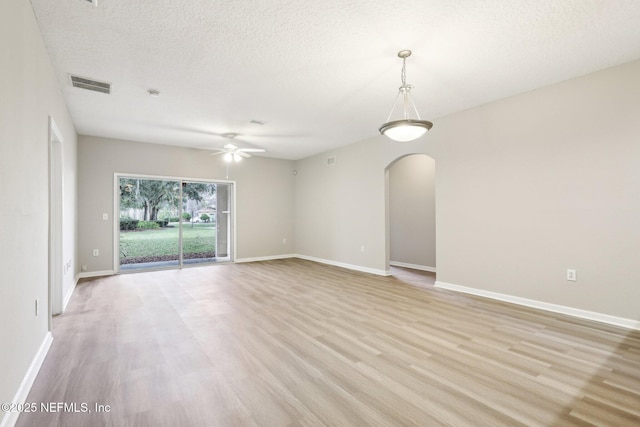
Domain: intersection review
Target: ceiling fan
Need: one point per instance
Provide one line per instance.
(233, 153)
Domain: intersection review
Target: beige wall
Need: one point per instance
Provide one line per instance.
(541, 182)
(526, 187)
(412, 212)
(29, 95)
(339, 209)
(264, 191)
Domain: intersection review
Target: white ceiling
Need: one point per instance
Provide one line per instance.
(319, 73)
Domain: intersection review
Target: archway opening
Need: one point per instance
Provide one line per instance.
(411, 214)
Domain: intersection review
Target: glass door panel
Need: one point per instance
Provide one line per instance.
(198, 222)
(223, 221)
(149, 218)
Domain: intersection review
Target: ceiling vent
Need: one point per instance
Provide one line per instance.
(89, 84)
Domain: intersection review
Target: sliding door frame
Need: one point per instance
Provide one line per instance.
(116, 212)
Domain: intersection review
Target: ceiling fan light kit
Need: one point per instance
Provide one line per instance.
(233, 153)
(405, 129)
(232, 157)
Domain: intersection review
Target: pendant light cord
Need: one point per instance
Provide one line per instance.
(403, 73)
(405, 90)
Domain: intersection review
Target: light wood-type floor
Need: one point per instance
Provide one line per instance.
(292, 342)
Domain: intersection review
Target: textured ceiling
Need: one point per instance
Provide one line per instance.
(319, 74)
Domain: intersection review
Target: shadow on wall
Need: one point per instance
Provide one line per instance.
(411, 212)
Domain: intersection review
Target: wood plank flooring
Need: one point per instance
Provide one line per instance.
(295, 343)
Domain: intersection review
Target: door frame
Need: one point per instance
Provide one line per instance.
(56, 214)
(116, 211)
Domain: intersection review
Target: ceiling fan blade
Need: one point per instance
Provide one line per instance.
(217, 153)
(242, 154)
(252, 150)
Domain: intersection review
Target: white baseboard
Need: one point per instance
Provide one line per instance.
(345, 265)
(413, 266)
(67, 297)
(87, 274)
(555, 308)
(264, 258)
(10, 418)
(319, 260)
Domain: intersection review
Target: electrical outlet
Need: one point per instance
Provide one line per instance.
(284, 241)
(362, 248)
(571, 275)
(84, 267)
(96, 252)
(105, 216)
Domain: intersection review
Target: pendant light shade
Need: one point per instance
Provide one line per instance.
(405, 129)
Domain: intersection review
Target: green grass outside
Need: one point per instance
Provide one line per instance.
(164, 241)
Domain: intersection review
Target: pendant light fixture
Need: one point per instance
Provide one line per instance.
(405, 129)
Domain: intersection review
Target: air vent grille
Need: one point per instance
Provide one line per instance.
(89, 84)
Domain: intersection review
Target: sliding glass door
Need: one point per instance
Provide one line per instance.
(171, 223)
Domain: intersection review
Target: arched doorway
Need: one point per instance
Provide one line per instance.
(411, 213)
